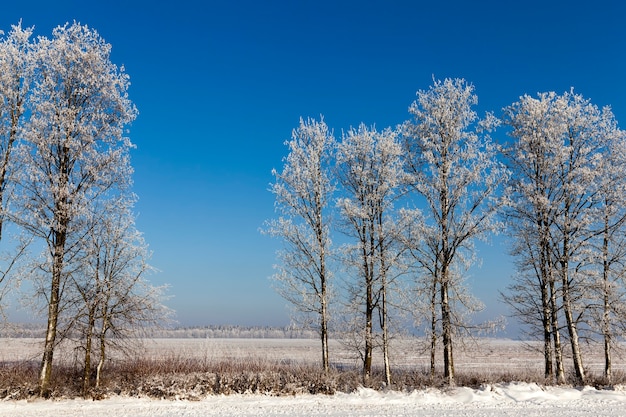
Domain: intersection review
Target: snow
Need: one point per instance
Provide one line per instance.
(519, 399)
(487, 356)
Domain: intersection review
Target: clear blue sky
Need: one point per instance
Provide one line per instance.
(220, 85)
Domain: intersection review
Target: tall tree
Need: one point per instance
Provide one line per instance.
(610, 246)
(370, 171)
(454, 168)
(303, 190)
(75, 150)
(531, 216)
(560, 180)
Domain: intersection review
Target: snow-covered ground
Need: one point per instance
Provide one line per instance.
(488, 355)
(484, 355)
(528, 400)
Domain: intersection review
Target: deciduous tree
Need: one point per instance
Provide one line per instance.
(303, 191)
(371, 174)
(531, 216)
(454, 167)
(560, 143)
(609, 247)
(118, 301)
(16, 70)
(74, 151)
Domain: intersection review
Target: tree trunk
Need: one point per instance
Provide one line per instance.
(571, 324)
(607, 359)
(573, 335)
(444, 258)
(544, 282)
(102, 357)
(88, 343)
(385, 331)
(105, 317)
(369, 310)
(606, 314)
(48, 352)
(556, 335)
(384, 319)
(53, 312)
(547, 342)
(319, 232)
(446, 322)
(369, 343)
(324, 330)
(433, 329)
(386, 358)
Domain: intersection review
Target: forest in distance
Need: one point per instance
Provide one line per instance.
(37, 331)
(407, 204)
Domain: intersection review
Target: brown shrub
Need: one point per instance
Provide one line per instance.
(192, 379)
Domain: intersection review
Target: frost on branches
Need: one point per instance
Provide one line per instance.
(303, 190)
(16, 70)
(567, 172)
(371, 174)
(454, 168)
(63, 155)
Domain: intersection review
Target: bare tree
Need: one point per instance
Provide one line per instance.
(556, 159)
(610, 249)
(16, 69)
(303, 190)
(531, 217)
(118, 301)
(74, 151)
(454, 169)
(370, 171)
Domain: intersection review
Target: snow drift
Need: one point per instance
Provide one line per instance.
(518, 399)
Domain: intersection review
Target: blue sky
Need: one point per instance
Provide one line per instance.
(220, 85)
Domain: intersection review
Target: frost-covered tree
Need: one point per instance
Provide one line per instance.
(454, 168)
(556, 158)
(608, 312)
(584, 140)
(417, 237)
(74, 151)
(303, 190)
(531, 217)
(116, 300)
(371, 174)
(16, 69)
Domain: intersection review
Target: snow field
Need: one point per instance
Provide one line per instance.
(520, 399)
(483, 356)
(486, 356)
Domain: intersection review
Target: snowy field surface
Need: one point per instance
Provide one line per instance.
(528, 400)
(489, 355)
(484, 355)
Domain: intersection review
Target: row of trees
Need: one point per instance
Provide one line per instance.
(565, 208)
(65, 179)
(410, 202)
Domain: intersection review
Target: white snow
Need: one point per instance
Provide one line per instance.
(520, 399)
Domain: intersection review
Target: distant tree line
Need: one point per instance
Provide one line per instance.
(408, 203)
(65, 197)
(32, 330)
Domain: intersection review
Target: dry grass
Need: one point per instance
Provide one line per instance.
(192, 373)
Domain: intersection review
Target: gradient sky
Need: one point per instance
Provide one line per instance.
(220, 85)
